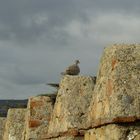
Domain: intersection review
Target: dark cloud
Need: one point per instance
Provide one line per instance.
(28, 21)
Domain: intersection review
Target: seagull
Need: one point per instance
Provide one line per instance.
(72, 69)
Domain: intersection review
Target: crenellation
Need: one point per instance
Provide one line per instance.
(86, 107)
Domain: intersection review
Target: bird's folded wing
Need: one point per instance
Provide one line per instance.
(73, 68)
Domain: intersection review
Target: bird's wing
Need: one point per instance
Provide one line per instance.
(73, 69)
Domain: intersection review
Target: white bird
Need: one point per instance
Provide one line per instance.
(72, 69)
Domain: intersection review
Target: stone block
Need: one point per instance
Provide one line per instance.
(117, 91)
(15, 124)
(128, 131)
(68, 138)
(2, 125)
(71, 106)
(39, 110)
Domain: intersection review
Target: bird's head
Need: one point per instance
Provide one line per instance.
(77, 61)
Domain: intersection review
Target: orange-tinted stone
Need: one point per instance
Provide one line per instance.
(34, 123)
(114, 61)
(109, 87)
(34, 104)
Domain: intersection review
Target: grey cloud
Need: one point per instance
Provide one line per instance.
(28, 21)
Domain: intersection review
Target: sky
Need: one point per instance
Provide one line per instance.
(40, 38)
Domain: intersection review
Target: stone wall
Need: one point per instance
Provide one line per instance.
(83, 110)
(2, 125)
(14, 127)
(69, 115)
(38, 114)
(117, 91)
(127, 131)
(114, 112)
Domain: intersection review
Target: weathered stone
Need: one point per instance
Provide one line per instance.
(38, 117)
(130, 131)
(111, 110)
(137, 137)
(15, 123)
(116, 95)
(72, 102)
(2, 125)
(69, 138)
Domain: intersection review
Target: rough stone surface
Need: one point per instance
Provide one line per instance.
(110, 109)
(117, 90)
(130, 131)
(72, 102)
(38, 117)
(15, 123)
(2, 125)
(68, 138)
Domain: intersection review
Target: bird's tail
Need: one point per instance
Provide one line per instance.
(56, 85)
(63, 73)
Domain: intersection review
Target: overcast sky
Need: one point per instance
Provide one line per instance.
(39, 38)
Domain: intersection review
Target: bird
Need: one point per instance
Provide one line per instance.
(72, 69)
